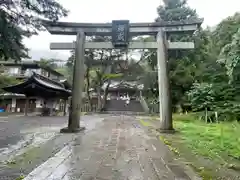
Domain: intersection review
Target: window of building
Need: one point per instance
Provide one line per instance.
(14, 70)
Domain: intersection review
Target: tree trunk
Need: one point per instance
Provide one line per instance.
(105, 96)
(88, 86)
(99, 104)
(106, 89)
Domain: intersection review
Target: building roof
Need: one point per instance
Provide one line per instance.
(66, 83)
(31, 65)
(11, 95)
(39, 86)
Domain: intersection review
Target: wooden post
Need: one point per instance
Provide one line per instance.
(163, 84)
(26, 106)
(78, 85)
(65, 108)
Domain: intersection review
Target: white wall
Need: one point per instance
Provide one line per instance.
(39, 102)
(14, 103)
(14, 70)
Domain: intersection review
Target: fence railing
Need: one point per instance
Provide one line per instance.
(87, 108)
(153, 108)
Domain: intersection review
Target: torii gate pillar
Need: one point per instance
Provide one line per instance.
(77, 87)
(163, 84)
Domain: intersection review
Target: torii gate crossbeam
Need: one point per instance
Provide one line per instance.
(135, 29)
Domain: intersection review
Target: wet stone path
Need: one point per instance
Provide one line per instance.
(38, 139)
(117, 149)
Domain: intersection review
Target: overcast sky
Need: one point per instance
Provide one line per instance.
(213, 11)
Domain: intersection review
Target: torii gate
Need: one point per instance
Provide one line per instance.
(121, 31)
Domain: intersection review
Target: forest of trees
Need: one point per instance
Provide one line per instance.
(205, 79)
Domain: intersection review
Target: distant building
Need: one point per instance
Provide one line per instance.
(41, 83)
(23, 70)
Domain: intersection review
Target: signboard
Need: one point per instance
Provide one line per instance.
(120, 32)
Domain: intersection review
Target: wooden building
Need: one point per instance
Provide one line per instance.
(39, 83)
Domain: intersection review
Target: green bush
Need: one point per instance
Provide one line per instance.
(214, 102)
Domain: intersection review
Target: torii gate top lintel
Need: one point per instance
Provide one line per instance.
(91, 29)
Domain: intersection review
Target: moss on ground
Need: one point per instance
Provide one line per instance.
(20, 177)
(146, 123)
(25, 158)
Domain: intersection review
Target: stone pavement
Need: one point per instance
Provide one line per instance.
(117, 149)
(27, 142)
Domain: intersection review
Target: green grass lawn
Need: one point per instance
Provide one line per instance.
(213, 150)
(212, 140)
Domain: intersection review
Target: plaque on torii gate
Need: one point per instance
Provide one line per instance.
(121, 31)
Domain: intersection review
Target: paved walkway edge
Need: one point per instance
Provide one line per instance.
(46, 169)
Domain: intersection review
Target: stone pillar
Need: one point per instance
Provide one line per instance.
(77, 88)
(14, 104)
(163, 84)
(26, 106)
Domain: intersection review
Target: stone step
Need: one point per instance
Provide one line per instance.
(120, 105)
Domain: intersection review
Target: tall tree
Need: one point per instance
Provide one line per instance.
(22, 18)
(230, 55)
(181, 67)
(6, 80)
(175, 10)
(224, 31)
(218, 90)
(10, 39)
